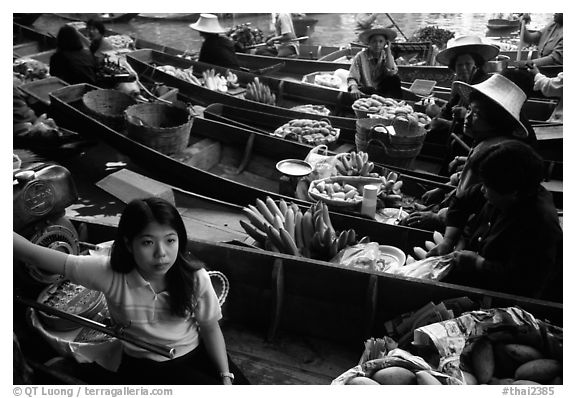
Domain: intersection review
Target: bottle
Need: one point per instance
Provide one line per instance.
(369, 200)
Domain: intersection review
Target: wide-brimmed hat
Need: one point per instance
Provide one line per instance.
(467, 45)
(390, 34)
(208, 23)
(501, 91)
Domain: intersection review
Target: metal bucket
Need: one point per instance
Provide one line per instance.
(498, 64)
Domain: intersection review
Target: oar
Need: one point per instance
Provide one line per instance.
(397, 27)
(521, 42)
(165, 351)
(265, 69)
(264, 44)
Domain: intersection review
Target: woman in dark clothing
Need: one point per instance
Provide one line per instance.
(466, 57)
(216, 49)
(505, 232)
(72, 62)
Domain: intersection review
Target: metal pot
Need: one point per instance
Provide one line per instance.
(497, 65)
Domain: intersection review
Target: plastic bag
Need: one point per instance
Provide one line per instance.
(323, 165)
(434, 268)
(362, 255)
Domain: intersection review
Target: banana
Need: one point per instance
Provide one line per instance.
(307, 228)
(274, 236)
(320, 226)
(342, 240)
(289, 243)
(419, 253)
(278, 223)
(327, 238)
(298, 233)
(364, 157)
(294, 207)
(289, 223)
(429, 245)
(333, 248)
(410, 259)
(274, 208)
(364, 170)
(283, 206)
(364, 239)
(268, 216)
(345, 162)
(256, 219)
(359, 162)
(341, 169)
(256, 234)
(351, 237)
(392, 176)
(316, 242)
(438, 237)
(326, 218)
(397, 185)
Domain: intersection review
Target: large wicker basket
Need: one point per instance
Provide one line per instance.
(108, 106)
(163, 127)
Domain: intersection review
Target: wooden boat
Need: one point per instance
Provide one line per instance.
(25, 18)
(175, 16)
(503, 24)
(222, 161)
(104, 17)
(276, 302)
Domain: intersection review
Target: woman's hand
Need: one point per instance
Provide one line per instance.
(227, 381)
(440, 249)
(467, 260)
(435, 195)
(457, 164)
(423, 220)
(355, 92)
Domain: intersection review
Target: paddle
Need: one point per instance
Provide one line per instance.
(265, 44)
(521, 42)
(397, 27)
(265, 69)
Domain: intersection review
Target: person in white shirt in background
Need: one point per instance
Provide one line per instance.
(550, 87)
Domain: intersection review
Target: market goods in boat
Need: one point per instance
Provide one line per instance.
(260, 92)
(308, 131)
(314, 109)
(284, 228)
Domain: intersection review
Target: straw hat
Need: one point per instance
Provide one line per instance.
(365, 36)
(208, 23)
(467, 45)
(501, 91)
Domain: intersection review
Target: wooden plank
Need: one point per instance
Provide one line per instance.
(127, 185)
(203, 154)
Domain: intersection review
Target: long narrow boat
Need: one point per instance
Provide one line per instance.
(221, 161)
(104, 17)
(503, 24)
(174, 16)
(277, 301)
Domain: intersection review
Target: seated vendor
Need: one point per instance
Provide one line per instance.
(505, 232)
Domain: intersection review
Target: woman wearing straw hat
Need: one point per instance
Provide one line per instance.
(373, 70)
(465, 56)
(493, 117)
(216, 49)
(504, 232)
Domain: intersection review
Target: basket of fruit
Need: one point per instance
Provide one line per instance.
(308, 131)
(342, 191)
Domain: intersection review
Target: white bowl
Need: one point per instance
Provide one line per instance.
(392, 256)
(389, 215)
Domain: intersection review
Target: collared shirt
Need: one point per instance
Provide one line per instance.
(367, 69)
(552, 87)
(551, 45)
(133, 303)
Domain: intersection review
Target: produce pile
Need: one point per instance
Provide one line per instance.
(308, 131)
(282, 227)
(355, 164)
(507, 358)
(328, 80)
(27, 69)
(438, 36)
(260, 92)
(313, 109)
(210, 79)
(336, 189)
(120, 41)
(245, 35)
(390, 109)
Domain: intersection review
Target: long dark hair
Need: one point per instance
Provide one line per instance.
(137, 215)
(68, 39)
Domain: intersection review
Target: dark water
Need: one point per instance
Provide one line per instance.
(332, 29)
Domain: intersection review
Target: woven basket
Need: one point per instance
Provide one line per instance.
(162, 127)
(108, 106)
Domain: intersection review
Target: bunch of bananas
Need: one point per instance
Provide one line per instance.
(259, 92)
(355, 164)
(213, 81)
(420, 253)
(284, 228)
(184, 74)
